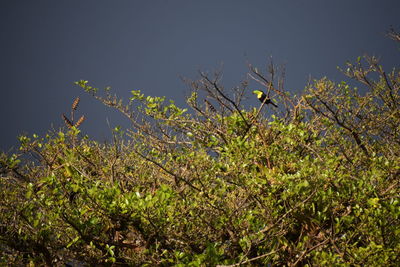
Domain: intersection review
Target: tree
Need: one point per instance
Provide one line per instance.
(314, 181)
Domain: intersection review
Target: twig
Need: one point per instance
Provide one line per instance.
(249, 260)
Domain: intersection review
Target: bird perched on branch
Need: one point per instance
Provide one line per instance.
(263, 97)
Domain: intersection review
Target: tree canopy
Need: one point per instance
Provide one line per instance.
(311, 181)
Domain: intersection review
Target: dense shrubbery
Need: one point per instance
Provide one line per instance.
(314, 181)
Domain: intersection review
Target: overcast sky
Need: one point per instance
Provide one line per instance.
(46, 45)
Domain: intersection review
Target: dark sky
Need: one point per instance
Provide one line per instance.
(46, 45)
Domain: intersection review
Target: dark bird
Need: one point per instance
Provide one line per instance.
(263, 97)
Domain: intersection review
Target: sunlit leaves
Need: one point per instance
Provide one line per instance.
(214, 186)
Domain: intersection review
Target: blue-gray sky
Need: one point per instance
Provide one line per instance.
(47, 45)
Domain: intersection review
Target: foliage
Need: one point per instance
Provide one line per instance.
(312, 182)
